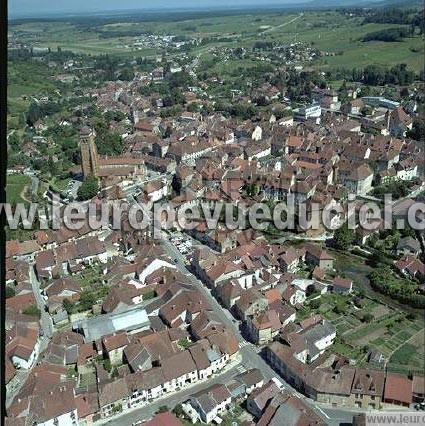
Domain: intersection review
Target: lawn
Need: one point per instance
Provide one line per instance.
(87, 379)
(15, 188)
(60, 185)
(347, 350)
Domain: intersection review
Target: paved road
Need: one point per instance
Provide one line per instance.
(35, 181)
(46, 332)
(249, 352)
(171, 400)
(269, 30)
(45, 321)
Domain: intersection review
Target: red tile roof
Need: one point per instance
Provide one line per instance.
(164, 419)
(398, 388)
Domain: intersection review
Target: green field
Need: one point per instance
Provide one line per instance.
(15, 188)
(27, 78)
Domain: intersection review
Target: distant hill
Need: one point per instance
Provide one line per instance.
(47, 10)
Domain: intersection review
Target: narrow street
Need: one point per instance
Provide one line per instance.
(46, 324)
(46, 333)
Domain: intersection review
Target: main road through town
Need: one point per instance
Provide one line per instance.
(249, 355)
(249, 358)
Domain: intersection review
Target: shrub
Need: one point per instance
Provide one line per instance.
(32, 310)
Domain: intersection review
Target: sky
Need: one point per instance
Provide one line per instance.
(47, 7)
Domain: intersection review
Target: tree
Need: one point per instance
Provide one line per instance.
(34, 113)
(87, 300)
(114, 373)
(404, 92)
(358, 302)
(163, 409)
(117, 408)
(110, 144)
(50, 167)
(366, 110)
(10, 291)
(68, 306)
(379, 258)
(337, 309)
(418, 131)
(367, 317)
(178, 410)
(314, 304)
(107, 364)
(193, 107)
(88, 189)
(405, 291)
(389, 35)
(344, 237)
(126, 74)
(14, 141)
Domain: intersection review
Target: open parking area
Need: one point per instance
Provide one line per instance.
(184, 245)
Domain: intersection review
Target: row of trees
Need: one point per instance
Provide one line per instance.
(397, 16)
(390, 34)
(398, 189)
(38, 110)
(378, 76)
(375, 75)
(383, 280)
(389, 16)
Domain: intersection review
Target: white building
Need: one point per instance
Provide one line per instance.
(308, 111)
(212, 402)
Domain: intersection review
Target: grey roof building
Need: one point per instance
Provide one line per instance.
(133, 319)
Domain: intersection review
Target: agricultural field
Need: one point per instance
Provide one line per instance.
(410, 355)
(337, 35)
(364, 324)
